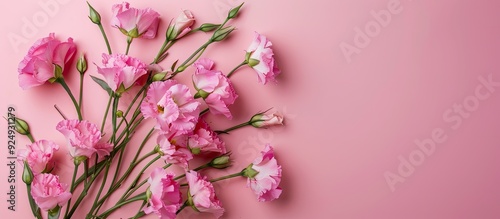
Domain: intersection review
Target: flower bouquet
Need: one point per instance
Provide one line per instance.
(180, 134)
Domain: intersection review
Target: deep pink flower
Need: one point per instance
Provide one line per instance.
(39, 65)
(215, 88)
(202, 194)
(83, 138)
(204, 139)
(48, 192)
(182, 25)
(172, 105)
(174, 149)
(261, 59)
(135, 22)
(264, 176)
(39, 156)
(165, 194)
(121, 71)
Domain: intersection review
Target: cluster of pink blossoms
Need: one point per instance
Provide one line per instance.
(182, 132)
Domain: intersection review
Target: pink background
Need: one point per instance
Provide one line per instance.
(347, 123)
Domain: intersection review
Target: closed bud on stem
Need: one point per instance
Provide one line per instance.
(22, 127)
(159, 77)
(94, 16)
(27, 174)
(222, 34)
(234, 12)
(207, 27)
(55, 212)
(119, 113)
(221, 162)
(81, 64)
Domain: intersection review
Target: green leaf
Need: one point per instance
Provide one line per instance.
(103, 84)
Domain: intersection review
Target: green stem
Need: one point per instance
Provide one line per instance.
(113, 120)
(150, 133)
(81, 92)
(184, 65)
(182, 207)
(195, 169)
(129, 41)
(73, 186)
(227, 177)
(161, 51)
(83, 194)
(34, 208)
(30, 137)
(65, 86)
(236, 68)
(101, 188)
(134, 186)
(121, 204)
(226, 131)
(106, 113)
(105, 37)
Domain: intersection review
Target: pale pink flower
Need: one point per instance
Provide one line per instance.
(39, 156)
(174, 149)
(182, 25)
(261, 59)
(121, 71)
(48, 192)
(135, 22)
(172, 105)
(264, 176)
(266, 119)
(204, 139)
(83, 138)
(215, 88)
(39, 65)
(202, 194)
(165, 197)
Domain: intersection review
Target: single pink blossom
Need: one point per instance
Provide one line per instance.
(264, 176)
(165, 193)
(182, 25)
(215, 88)
(261, 59)
(42, 60)
(39, 156)
(202, 194)
(172, 105)
(135, 22)
(83, 138)
(204, 139)
(266, 119)
(174, 149)
(121, 71)
(48, 192)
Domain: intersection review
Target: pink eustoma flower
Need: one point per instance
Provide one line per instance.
(39, 65)
(202, 194)
(39, 156)
(135, 22)
(165, 197)
(48, 192)
(172, 105)
(204, 139)
(266, 119)
(182, 25)
(215, 88)
(264, 176)
(261, 59)
(121, 71)
(83, 138)
(174, 149)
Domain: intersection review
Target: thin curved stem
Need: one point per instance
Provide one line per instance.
(105, 37)
(236, 68)
(68, 90)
